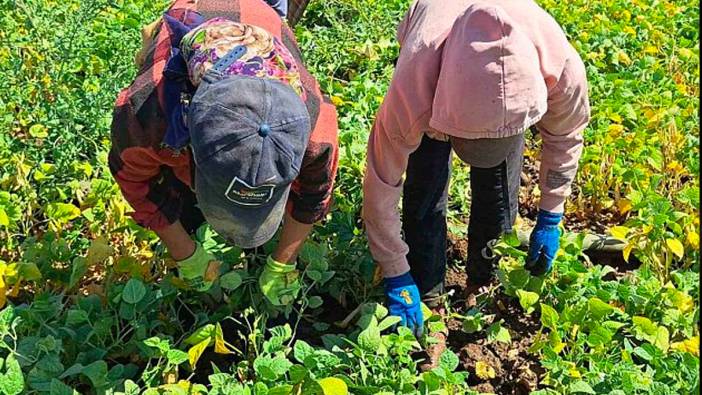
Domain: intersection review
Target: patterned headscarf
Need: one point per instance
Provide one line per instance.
(265, 57)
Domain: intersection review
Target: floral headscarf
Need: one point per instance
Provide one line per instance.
(265, 57)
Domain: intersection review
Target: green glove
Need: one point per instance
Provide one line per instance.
(200, 270)
(279, 282)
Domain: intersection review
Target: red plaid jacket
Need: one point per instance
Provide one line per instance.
(154, 178)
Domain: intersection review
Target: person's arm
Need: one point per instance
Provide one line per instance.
(311, 193)
(177, 241)
(292, 237)
(386, 163)
(561, 132)
(137, 169)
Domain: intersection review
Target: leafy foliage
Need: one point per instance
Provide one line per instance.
(89, 303)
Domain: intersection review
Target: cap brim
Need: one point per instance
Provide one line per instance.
(246, 227)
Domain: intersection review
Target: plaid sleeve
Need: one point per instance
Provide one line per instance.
(146, 175)
(311, 193)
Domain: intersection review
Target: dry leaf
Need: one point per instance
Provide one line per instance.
(484, 370)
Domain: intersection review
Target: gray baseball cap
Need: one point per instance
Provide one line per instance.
(248, 136)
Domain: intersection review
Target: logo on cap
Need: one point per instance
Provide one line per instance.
(244, 194)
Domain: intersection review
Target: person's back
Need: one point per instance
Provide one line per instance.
(471, 77)
(427, 28)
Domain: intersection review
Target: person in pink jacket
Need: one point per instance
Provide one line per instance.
(472, 76)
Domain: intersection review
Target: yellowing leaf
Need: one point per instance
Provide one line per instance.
(195, 352)
(691, 345)
(651, 49)
(573, 371)
(693, 239)
(685, 53)
(4, 219)
(622, 57)
(624, 206)
(675, 167)
(337, 101)
(62, 212)
(38, 131)
(619, 232)
(220, 346)
(484, 370)
(333, 386)
(615, 129)
(675, 246)
(629, 30)
(99, 251)
(626, 252)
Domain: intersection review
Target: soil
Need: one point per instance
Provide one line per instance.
(516, 371)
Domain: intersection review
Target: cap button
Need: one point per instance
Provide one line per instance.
(264, 130)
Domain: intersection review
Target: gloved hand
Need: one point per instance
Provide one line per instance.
(279, 282)
(404, 302)
(200, 270)
(543, 243)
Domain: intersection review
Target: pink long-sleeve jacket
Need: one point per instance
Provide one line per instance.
(473, 69)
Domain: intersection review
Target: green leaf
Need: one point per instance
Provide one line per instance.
(285, 389)
(96, 372)
(527, 300)
(176, 357)
(78, 270)
(512, 239)
(314, 275)
(29, 271)
(598, 308)
(315, 301)
(99, 251)
(206, 332)
(581, 387)
(369, 339)
(230, 281)
(449, 360)
(662, 339)
(57, 387)
(644, 327)
(388, 322)
(12, 382)
(6, 317)
(133, 292)
(333, 386)
(302, 350)
(473, 323)
(549, 317)
(598, 336)
(76, 317)
(497, 333)
(61, 213)
(131, 388)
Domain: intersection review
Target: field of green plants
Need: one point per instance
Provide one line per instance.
(89, 303)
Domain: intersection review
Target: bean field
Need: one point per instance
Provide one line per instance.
(90, 304)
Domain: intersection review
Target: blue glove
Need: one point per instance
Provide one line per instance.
(543, 243)
(404, 302)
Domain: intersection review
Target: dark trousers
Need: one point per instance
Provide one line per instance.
(494, 199)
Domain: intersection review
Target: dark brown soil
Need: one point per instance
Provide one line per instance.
(516, 371)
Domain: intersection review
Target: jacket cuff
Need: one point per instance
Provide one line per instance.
(553, 204)
(394, 268)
